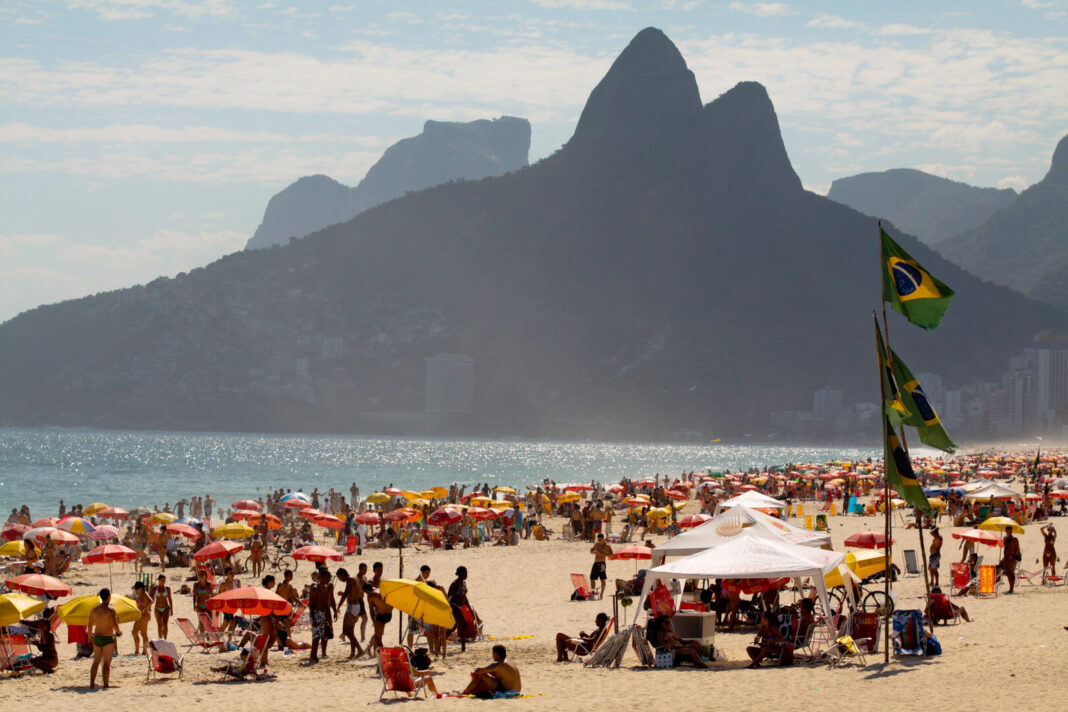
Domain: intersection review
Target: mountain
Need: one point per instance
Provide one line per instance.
(919, 203)
(1024, 245)
(664, 270)
(444, 151)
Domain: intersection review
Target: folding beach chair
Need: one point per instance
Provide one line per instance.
(211, 631)
(911, 567)
(909, 637)
(988, 581)
(195, 639)
(581, 653)
(18, 653)
(583, 589)
(398, 675)
(962, 578)
(1028, 576)
(846, 648)
(250, 667)
(163, 659)
(865, 631)
(299, 616)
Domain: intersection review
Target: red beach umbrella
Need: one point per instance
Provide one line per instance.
(12, 532)
(317, 553)
(980, 536)
(481, 513)
(39, 585)
(694, 520)
(445, 516)
(245, 514)
(404, 514)
(329, 521)
(247, 504)
(113, 513)
(633, 552)
(273, 522)
(109, 553)
(217, 550)
(183, 530)
(368, 518)
(251, 600)
(867, 540)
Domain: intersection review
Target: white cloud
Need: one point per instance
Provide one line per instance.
(834, 22)
(764, 9)
(585, 4)
(138, 9)
(1017, 183)
(144, 133)
(11, 245)
(1035, 4)
(896, 29)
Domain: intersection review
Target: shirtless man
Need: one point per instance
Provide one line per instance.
(361, 579)
(228, 584)
(103, 630)
(583, 643)
(376, 574)
(935, 559)
(321, 604)
(457, 596)
(140, 629)
(383, 613)
(1010, 558)
(352, 600)
(601, 551)
(501, 676)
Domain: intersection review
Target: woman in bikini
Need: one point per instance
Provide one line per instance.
(256, 555)
(202, 591)
(161, 594)
(140, 628)
(1049, 551)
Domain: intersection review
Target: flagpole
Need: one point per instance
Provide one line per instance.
(886, 491)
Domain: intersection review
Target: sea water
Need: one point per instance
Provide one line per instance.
(39, 467)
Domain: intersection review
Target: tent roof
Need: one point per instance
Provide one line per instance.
(992, 489)
(752, 499)
(724, 527)
(752, 557)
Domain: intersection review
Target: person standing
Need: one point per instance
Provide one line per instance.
(935, 559)
(601, 551)
(1049, 552)
(1010, 558)
(140, 628)
(351, 600)
(103, 630)
(321, 605)
(457, 596)
(162, 605)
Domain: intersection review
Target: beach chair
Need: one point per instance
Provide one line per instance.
(149, 580)
(940, 609)
(299, 615)
(195, 639)
(251, 664)
(583, 589)
(961, 578)
(18, 653)
(909, 637)
(211, 631)
(912, 568)
(988, 581)
(581, 653)
(163, 659)
(1028, 576)
(398, 675)
(865, 631)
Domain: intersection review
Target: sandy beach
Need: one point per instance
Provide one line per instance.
(1008, 656)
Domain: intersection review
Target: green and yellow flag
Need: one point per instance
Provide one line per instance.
(893, 406)
(921, 414)
(909, 288)
(899, 471)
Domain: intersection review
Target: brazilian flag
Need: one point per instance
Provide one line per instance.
(899, 471)
(910, 289)
(893, 406)
(921, 414)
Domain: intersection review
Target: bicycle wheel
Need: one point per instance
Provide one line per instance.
(836, 599)
(286, 562)
(877, 602)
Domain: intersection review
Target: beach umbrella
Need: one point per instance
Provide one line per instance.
(867, 540)
(247, 504)
(103, 532)
(430, 494)
(16, 606)
(46, 522)
(420, 601)
(980, 536)
(113, 513)
(501, 504)
(13, 532)
(445, 516)
(481, 500)
(245, 514)
(75, 525)
(309, 513)
(57, 535)
(568, 497)
(317, 553)
(409, 495)
(377, 498)
(217, 550)
(13, 548)
(163, 518)
(368, 518)
(76, 611)
(753, 585)
(635, 551)
(615, 489)
(505, 490)
(191, 521)
(183, 530)
(1033, 497)
(481, 513)
(234, 530)
(295, 495)
(108, 554)
(251, 600)
(677, 495)
(1001, 524)
(694, 520)
(94, 509)
(329, 521)
(579, 487)
(39, 585)
(392, 491)
(1059, 494)
(137, 512)
(439, 491)
(273, 522)
(404, 515)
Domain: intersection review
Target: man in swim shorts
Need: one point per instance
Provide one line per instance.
(499, 677)
(601, 551)
(321, 605)
(935, 560)
(351, 600)
(382, 611)
(103, 630)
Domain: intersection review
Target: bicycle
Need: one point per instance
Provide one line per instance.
(279, 562)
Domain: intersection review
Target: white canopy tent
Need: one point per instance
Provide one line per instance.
(992, 490)
(747, 557)
(725, 526)
(751, 499)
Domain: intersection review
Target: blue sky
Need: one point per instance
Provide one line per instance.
(144, 137)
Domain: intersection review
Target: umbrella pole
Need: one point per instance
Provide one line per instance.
(923, 554)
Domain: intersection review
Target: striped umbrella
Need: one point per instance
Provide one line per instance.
(103, 532)
(75, 525)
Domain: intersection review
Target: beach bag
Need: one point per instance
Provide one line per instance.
(578, 596)
(933, 646)
(665, 658)
(661, 602)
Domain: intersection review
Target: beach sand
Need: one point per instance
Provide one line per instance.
(1010, 656)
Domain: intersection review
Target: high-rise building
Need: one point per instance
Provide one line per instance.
(1051, 380)
(450, 390)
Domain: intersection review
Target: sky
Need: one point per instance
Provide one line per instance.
(141, 138)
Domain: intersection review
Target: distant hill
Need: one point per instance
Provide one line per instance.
(664, 270)
(931, 208)
(1024, 245)
(444, 151)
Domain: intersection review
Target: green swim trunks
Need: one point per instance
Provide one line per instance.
(103, 641)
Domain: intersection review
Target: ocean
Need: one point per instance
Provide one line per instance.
(38, 467)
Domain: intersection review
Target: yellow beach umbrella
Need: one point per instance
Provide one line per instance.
(1001, 524)
(409, 495)
(163, 518)
(506, 490)
(480, 501)
(429, 494)
(418, 600)
(13, 548)
(16, 606)
(234, 530)
(419, 502)
(377, 498)
(93, 508)
(500, 504)
(440, 491)
(76, 611)
(569, 497)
